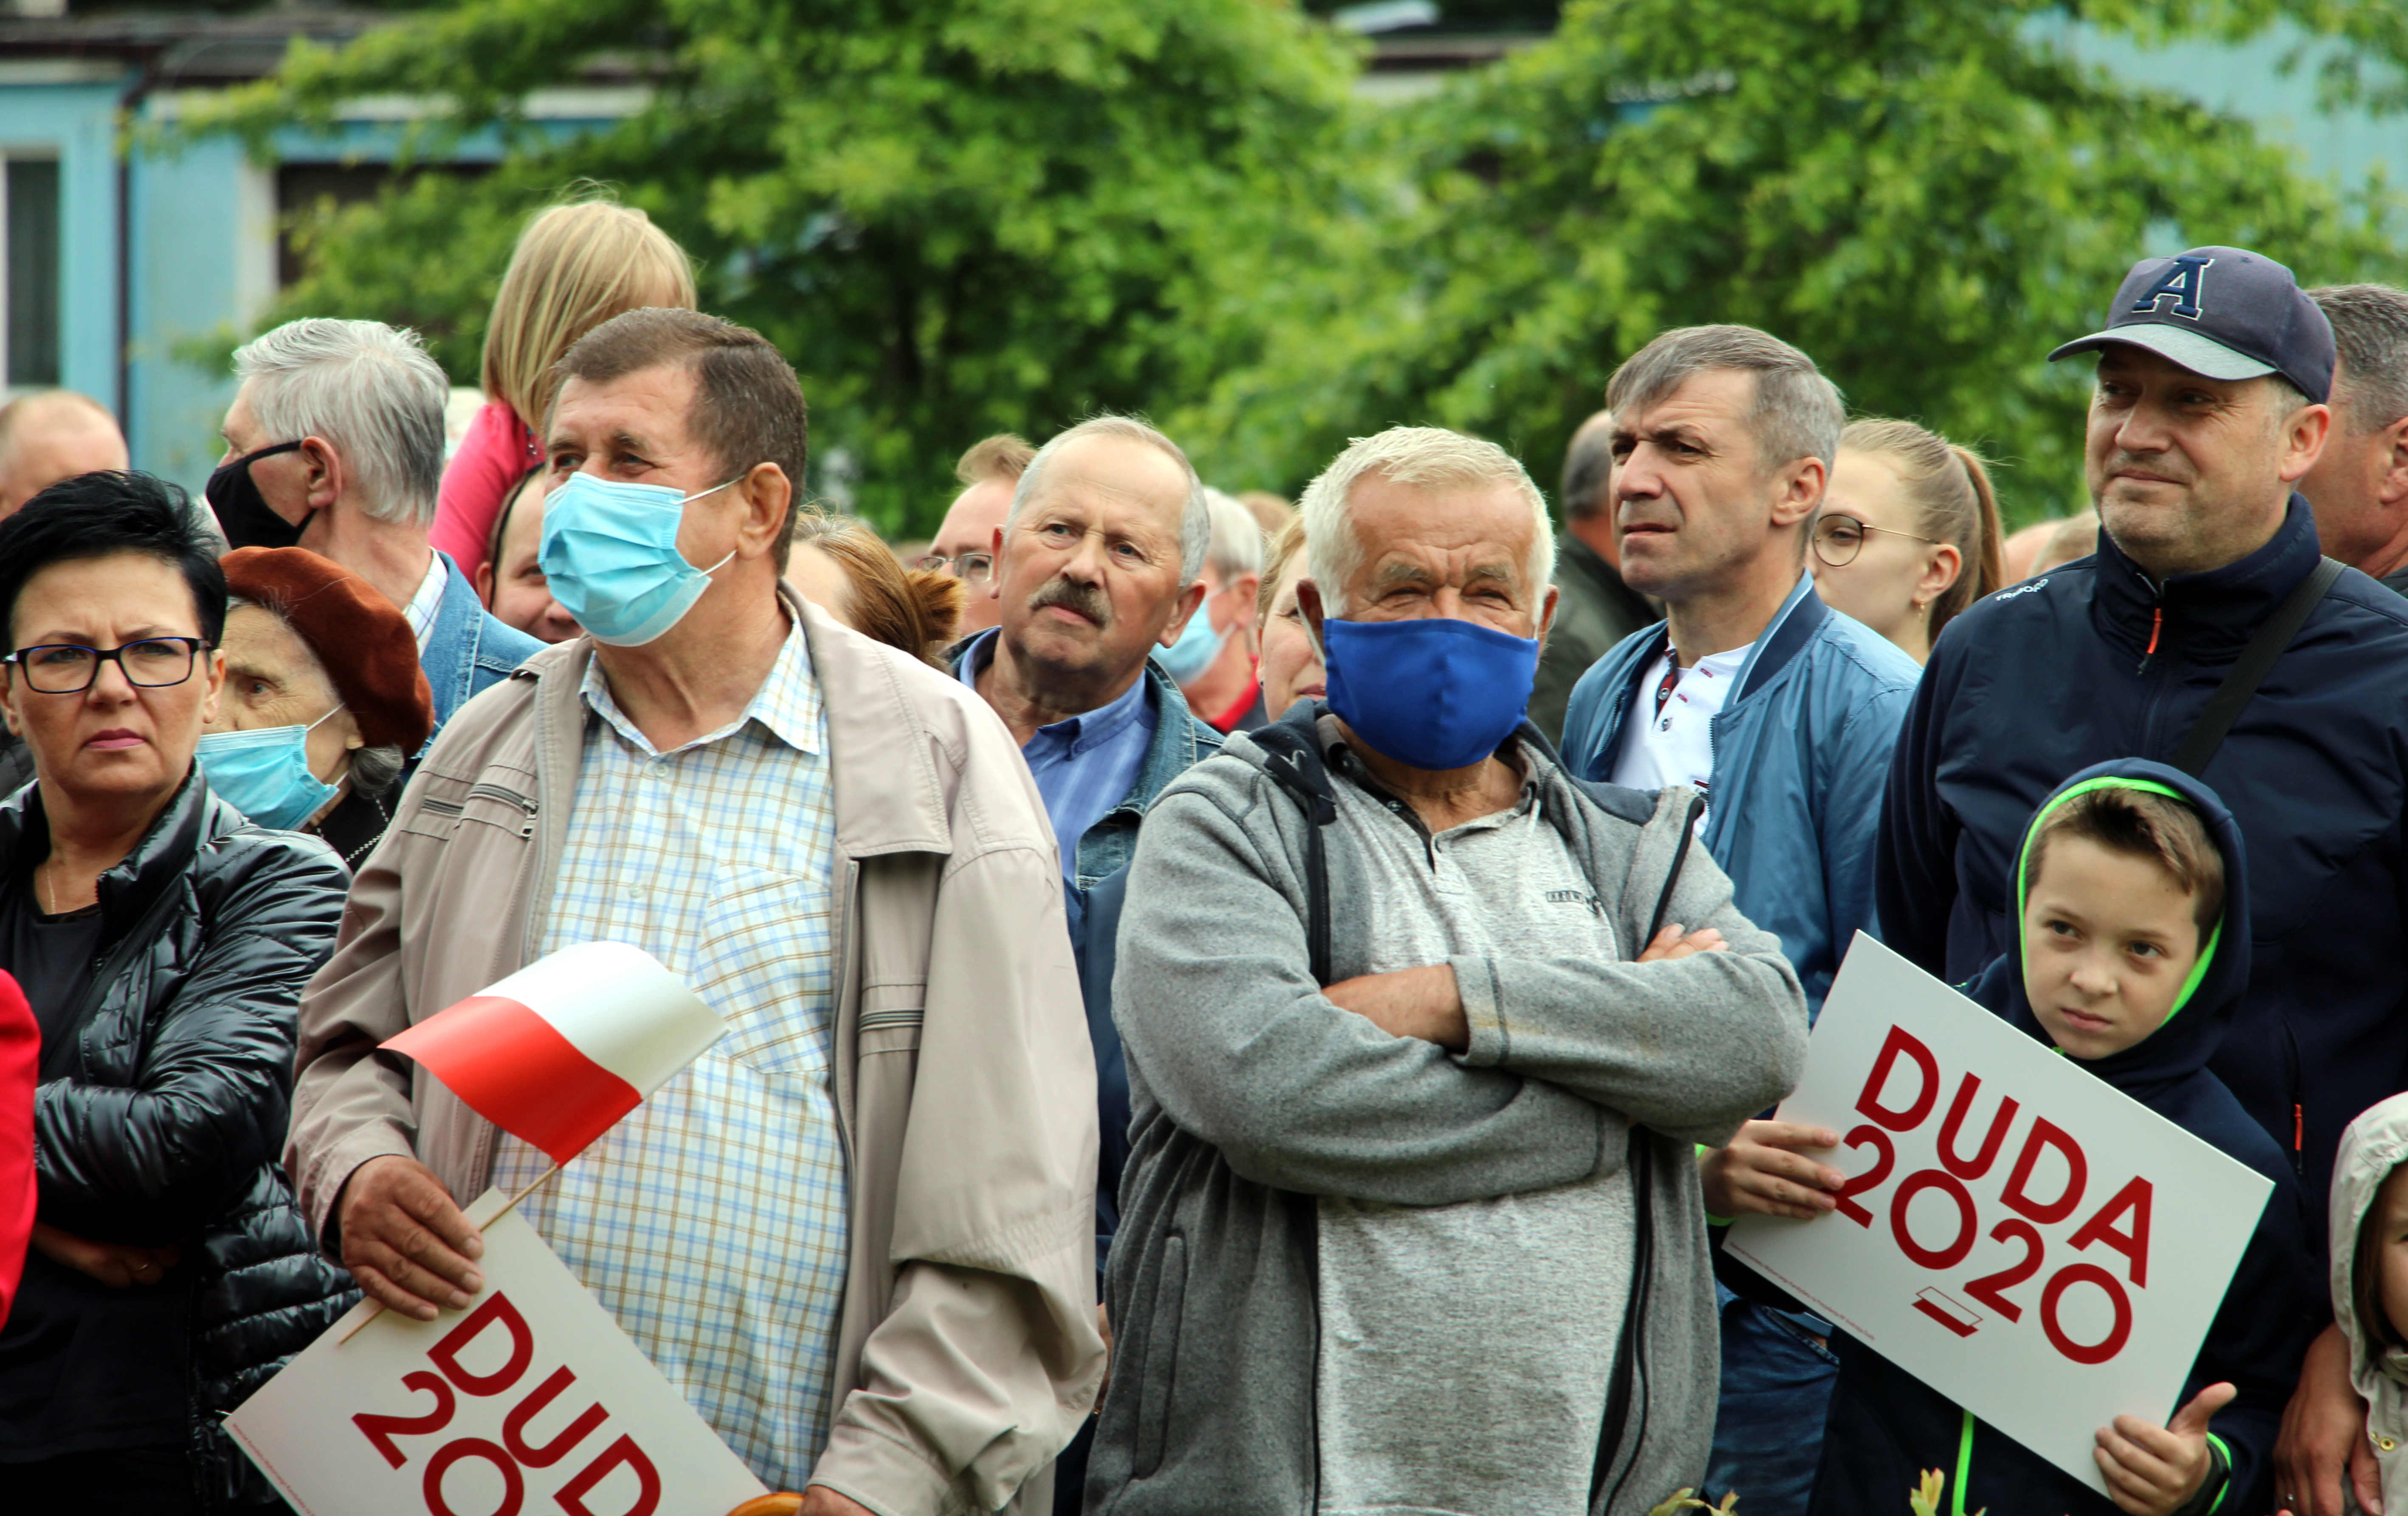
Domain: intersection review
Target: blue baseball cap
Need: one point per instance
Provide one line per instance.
(2224, 314)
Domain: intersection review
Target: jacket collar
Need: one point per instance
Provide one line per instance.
(129, 888)
(881, 754)
(2208, 617)
(1792, 627)
(1179, 741)
(451, 651)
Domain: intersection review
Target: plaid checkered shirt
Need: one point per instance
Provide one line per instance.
(711, 1221)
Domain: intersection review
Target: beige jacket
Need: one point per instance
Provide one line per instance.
(964, 1083)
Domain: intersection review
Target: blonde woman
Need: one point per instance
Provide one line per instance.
(1908, 535)
(576, 266)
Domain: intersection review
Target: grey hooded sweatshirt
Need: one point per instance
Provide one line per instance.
(1254, 1098)
(2375, 1145)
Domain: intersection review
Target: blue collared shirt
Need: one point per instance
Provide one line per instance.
(1083, 764)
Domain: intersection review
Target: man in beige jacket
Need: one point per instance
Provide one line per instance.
(857, 1233)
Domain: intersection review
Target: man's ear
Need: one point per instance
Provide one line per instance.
(1547, 613)
(1801, 484)
(326, 477)
(484, 582)
(2303, 440)
(2394, 488)
(1181, 608)
(769, 497)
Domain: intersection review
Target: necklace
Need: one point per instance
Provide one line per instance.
(49, 891)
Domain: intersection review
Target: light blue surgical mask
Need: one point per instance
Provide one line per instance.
(610, 557)
(264, 773)
(1196, 647)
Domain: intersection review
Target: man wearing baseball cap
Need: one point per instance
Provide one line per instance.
(2214, 371)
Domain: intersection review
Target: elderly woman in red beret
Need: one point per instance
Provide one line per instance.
(324, 702)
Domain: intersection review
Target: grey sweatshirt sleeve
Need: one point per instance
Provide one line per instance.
(1223, 1023)
(1691, 1047)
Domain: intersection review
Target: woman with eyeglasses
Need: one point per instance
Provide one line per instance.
(1908, 535)
(162, 942)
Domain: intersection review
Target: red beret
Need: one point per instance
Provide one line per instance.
(362, 639)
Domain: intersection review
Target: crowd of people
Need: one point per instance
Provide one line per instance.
(1233, 1007)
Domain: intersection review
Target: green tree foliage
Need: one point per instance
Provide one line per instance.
(954, 216)
(1927, 196)
(960, 216)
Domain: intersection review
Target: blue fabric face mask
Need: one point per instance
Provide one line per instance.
(264, 774)
(610, 557)
(1196, 647)
(1436, 692)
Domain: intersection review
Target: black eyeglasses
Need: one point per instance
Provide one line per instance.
(1838, 540)
(151, 663)
(970, 566)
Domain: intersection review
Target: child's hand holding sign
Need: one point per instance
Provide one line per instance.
(2151, 1471)
(1765, 1172)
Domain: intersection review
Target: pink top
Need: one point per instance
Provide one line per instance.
(493, 458)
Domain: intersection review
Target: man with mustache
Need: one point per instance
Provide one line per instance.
(2211, 407)
(1097, 566)
(1780, 711)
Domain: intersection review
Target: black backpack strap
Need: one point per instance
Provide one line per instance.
(1292, 757)
(2266, 646)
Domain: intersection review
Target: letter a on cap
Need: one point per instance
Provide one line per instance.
(2186, 280)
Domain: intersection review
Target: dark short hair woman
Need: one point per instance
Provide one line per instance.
(163, 941)
(324, 702)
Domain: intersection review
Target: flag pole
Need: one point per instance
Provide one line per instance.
(376, 1307)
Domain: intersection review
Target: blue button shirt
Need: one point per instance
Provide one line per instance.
(1084, 764)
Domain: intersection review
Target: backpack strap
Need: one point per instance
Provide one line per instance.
(1293, 760)
(2266, 646)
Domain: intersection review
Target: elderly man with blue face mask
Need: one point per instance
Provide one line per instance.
(853, 1234)
(1420, 1030)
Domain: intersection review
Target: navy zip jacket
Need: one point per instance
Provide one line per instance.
(2090, 663)
(1886, 1425)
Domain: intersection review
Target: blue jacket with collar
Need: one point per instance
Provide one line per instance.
(1800, 752)
(467, 649)
(2091, 663)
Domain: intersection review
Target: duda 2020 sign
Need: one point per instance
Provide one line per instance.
(2006, 1231)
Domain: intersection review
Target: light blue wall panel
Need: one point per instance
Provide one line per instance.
(77, 122)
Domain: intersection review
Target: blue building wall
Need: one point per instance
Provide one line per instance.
(77, 123)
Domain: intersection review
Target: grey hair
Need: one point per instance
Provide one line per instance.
(2370, 325)
(1421, 457)
(1195, 520)
(1798, 412)
(1237, 548)
(368, 389)
(375, 769)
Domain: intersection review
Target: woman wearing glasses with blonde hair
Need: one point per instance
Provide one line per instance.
(163, 941)
(1908, 535)
(576, 266)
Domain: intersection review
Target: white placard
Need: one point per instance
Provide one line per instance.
(2025, 1239)
(531, 1400)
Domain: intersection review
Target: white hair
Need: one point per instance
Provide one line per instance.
(1237, 548)
(368, 389)
(1195, 520)
(1422, 457)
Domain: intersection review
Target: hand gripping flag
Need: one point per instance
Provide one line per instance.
(565, 1046)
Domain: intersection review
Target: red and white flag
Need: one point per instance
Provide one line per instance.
(565, 1046)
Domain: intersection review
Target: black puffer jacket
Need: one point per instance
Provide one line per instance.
(160, 1124)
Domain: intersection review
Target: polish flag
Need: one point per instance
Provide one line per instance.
(565, 1046)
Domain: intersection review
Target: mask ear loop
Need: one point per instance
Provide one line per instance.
(698, 495)
(305, 749)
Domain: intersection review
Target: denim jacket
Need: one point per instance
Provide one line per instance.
(467, 649)
(1101, 859)
(1801, 757)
